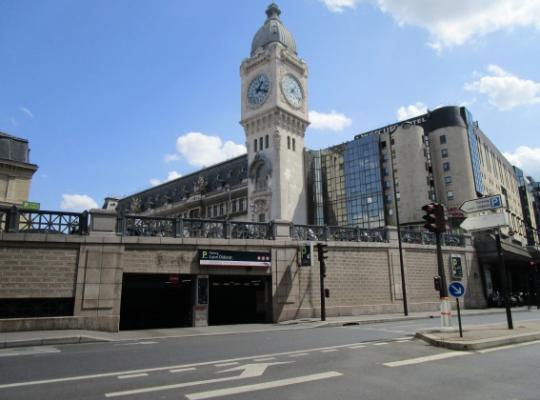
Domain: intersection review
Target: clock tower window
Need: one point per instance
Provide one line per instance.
(293, 144)
(288, 142)
(266, 141)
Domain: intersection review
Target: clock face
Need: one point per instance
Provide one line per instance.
(258, 90)
(292, 90)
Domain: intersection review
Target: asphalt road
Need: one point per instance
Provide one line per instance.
(377, 361)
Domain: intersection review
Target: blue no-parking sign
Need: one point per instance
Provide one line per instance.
(456, 289)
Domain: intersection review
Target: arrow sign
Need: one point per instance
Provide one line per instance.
(248, 371)
(482, 204)
(456, 289)
(483, 222)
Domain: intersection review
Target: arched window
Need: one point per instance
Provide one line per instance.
(261, 177)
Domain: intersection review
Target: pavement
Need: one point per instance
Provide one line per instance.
(475, 337)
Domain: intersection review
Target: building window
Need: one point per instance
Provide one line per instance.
(261, 217)
(215, 211)
(234, 206)
(221, 209)
(208, 211)
(241, 204)
(266, 140)
(446, 166)
(448, 180)
(442, 139)
(255, 145)
(294, 144)
(383, 144)
(288, 142)
(260, 143)
(444, 153)
(450, 195)
(398, 196)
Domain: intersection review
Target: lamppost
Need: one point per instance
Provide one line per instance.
(401, 266)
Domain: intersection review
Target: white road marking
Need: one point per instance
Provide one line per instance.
(261, 386)
(27, 351)
(175, 371)
(135, 343)
(164, 368)
(131, 376)
(510, 346)
(380, 344)
(419, 360)
(226, 364)
(360, 346)
(298, 354)
(264, 359)
(248, 371)
(329, 350)
(403, 340)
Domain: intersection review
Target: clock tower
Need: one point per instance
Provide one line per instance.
(275, 118)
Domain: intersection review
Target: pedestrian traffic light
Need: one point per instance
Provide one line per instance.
(322, 249)
(435, 217)
(437, 283)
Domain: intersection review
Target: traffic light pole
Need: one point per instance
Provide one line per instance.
(322, 272)
(504, 280)
(446, 308)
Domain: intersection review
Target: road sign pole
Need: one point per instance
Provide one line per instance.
(504, 280)
(459, 317)
(446, 309)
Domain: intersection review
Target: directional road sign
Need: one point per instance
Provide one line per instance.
(483, 222)
(456, 289)
(482, 204)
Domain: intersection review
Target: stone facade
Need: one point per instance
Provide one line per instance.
(362, 278)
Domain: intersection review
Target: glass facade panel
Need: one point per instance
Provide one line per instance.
(352, 187)
(475, 157)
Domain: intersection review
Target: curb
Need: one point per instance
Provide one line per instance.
(478, 344)
(51, 341)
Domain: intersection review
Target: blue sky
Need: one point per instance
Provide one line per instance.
(115, 96)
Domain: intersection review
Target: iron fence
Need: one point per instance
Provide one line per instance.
(428, 238)
(15, 219)
(133, 225)
(337, 233)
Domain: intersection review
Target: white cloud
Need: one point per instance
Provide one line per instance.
(332, 121)
(172, 175)
(171, 157)
(454, 22)
(504, 90)
(203, 150)
(412, 110)
(77, 202)
(526, 158)
(27, 112)
(338, 6)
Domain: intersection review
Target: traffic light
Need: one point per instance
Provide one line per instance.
(322, 249)
(437, 283)
(430, 217)
(435, 217)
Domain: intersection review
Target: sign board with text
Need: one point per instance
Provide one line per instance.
(482, 204)
(226, 258)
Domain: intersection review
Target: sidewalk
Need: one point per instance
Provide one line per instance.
(491, 334)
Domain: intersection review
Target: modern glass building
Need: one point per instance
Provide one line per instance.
(347, 184)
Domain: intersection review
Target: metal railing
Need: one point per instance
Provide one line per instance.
(337, 233)
(15, 219)
(428, 238)
(134, 225)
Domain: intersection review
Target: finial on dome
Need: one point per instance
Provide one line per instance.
(273, 11)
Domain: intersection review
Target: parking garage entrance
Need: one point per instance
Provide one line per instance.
(152, 301)
(239, 299)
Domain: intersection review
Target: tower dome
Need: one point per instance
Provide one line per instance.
(273, 31)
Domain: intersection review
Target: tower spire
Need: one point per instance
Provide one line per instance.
(273, 11)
